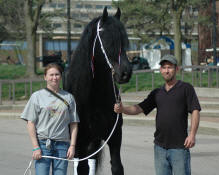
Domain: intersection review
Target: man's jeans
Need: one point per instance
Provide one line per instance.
(171, 161)
(57, 149)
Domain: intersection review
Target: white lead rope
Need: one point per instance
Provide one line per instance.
(76, 160)
(101, 45)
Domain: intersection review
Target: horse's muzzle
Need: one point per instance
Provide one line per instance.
(124, 77)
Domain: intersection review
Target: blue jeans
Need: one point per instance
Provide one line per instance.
(171, 161)
(57, 149)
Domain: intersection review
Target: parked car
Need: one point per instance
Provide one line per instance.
(139, 63)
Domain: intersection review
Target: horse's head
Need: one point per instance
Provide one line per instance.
(115, 43)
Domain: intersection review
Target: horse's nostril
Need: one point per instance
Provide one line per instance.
(125, 75)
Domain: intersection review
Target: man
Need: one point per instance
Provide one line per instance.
(173, 102)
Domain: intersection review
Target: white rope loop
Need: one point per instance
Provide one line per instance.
(28, 168)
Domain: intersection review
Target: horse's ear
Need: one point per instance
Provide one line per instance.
(118, 14)
(105, 14)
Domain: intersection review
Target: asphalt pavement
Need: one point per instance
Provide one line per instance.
(136, 151)
(137, 144)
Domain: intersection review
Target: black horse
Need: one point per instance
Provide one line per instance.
(89, 79)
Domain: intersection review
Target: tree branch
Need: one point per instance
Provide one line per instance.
(37, 14)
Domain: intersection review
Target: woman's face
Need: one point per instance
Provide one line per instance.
(53, 77)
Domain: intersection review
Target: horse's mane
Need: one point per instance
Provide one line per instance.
(80, 78)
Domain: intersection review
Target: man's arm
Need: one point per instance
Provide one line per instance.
(190, 140)
(129, 110)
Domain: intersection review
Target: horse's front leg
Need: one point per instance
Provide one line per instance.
(114, 146)
(82, 167)
(88, 167)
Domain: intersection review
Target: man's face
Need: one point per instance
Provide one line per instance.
(168, 71)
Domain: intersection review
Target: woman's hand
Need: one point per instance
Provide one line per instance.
(71, 152)
(37, 154)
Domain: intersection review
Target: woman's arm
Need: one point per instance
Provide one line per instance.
(32, 133)
(73, 134)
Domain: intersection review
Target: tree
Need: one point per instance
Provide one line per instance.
(32, 10)
(145, 18)
(177, 7)
(155, 17)
(11, 19)
(20, 20)
(34, 18)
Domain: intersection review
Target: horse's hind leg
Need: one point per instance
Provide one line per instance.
(114, 146)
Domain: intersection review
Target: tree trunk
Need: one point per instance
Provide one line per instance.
(32, 16)
(30, 39)
(177, 36)
(31, 54)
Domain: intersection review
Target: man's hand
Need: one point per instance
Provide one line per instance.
(118, 107)
(190, 141)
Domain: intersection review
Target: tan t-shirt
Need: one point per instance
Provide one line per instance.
(50, 115)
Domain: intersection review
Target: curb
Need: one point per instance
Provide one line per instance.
(127, 119)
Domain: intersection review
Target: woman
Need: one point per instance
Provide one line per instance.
(52, 124)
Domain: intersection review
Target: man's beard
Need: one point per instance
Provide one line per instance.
(169, 79)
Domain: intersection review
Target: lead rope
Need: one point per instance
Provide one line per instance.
(117, 118)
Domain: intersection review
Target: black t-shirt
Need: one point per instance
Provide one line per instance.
(173, 107)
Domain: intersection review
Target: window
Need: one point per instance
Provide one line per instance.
(76, 25)
(88, 6)
(57, 25)
(53, 5)
(79, 6)
(99, 6)
(62, 14)
(109, 7)
(61, 5)
(84, 15)
(75, 15)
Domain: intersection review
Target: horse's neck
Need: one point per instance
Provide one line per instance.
(103, 85)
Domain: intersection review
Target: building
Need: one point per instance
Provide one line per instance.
(205, 44)
(81, 13)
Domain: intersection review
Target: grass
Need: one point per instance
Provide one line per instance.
(144, 81)
(12, 71)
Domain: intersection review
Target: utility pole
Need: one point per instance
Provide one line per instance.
(68, 34)
(214, 32)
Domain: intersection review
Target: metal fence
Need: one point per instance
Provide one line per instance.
(11, 85)
(198, 74)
